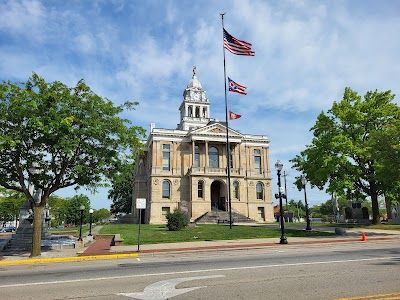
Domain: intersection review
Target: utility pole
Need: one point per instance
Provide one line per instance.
(284, 179)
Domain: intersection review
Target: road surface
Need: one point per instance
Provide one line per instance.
(282, 272)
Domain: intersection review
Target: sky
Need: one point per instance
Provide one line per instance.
(307, 52)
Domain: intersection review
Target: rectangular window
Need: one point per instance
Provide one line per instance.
(257, 161)
(261, 214)
(164, 212)
(200, 189)
(166, 157)
(196, 156)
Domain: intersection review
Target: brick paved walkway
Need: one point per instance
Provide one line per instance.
(101, 245)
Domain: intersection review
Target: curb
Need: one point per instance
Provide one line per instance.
(252, 246)
(31, 261)
(128, 254)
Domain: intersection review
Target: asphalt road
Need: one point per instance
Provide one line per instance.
(281, 272)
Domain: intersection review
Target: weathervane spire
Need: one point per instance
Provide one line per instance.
(194, 72)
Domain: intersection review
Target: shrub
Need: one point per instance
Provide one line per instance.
(177, 220)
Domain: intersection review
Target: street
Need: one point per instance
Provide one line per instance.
(281, 272)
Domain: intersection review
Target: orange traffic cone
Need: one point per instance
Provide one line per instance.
(363, 237)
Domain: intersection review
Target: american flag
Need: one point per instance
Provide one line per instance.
(233, 116)
(237, 46)
(236, 87)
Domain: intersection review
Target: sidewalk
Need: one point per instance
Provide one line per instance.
(101, 249)
(241, 244)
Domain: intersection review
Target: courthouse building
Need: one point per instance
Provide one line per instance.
(186, 167)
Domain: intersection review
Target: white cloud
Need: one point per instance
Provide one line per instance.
(85, 43)
(20, 15)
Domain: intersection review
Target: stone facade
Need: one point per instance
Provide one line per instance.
(187, 167)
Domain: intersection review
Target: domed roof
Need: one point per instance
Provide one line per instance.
(194, 82)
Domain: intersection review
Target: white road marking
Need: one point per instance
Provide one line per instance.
(197, 271)
(165, 289)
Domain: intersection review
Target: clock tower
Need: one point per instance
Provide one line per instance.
(195, 107)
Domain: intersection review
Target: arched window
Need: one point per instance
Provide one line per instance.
(213, 157)
(236, 190)
(166, 189)
(260, 191)
(204, 112)
(200, 189)
(197, 114)
(190, 111)
(196, 156)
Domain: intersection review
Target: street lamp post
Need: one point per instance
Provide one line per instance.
(278, 167)
(81, 208)
(304, 182)
(90, 221)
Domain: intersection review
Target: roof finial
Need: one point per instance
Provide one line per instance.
(194, 72)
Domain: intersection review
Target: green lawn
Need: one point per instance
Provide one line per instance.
(153, 234)
(69, 230)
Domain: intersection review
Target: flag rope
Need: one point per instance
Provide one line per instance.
(228, 150)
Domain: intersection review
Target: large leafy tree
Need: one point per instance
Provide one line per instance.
(71, 136)
(101, 214)
(345, 154)
(387, 152)
(73, 209)
(121, 191)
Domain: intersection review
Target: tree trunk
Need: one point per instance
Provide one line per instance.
(375, 207)
(37, 231)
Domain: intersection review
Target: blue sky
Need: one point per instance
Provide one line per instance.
(307, 52)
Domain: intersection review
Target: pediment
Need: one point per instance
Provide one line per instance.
(215, 129)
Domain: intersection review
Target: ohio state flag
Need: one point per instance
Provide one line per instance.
(233, 116)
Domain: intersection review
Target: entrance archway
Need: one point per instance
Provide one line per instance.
(218, 195)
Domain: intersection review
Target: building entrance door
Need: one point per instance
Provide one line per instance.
(218, 196)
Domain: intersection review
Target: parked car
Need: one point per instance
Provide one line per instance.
(10, 229)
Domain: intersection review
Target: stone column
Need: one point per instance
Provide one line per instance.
(193, 152)
(206, 150)
(222, 157)
(264, 162)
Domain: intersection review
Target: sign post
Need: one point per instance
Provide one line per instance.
(140, 204)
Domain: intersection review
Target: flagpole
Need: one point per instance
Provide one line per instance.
(228, 150)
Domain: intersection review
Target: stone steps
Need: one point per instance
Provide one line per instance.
(223, 217)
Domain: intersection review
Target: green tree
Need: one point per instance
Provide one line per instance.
(73, 212)
(101, 214)
(121, 191)
(53, 136)
(58, 209)
(297, 207)
(10, 204)
(343, 153)
(387, 152)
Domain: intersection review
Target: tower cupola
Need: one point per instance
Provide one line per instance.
(195, 107)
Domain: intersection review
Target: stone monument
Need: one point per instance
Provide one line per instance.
(395, 214)
(22, 239)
